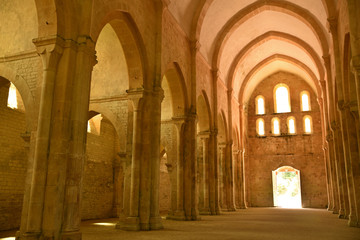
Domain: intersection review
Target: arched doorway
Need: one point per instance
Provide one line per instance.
(286, 187)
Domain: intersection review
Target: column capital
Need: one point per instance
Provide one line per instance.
(50, 49)
(330, 137)
(355, 63)
(135, 95)
(204, 134)
(214, 131)
(335, 126)
(327, 59)
(343, 105)
(320, 100)
(332, 24)
(215, 73)
(87, 46)
(195, 45)
(222, 145)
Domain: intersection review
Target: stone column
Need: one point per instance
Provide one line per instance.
(204, 208)
(154, 181)
(50, 51)
(229, 164)
(237, 183)
(333, 173)
(355, 62)
(178, 212)
(213, 174)
(242, 201)
(222, 176)
(352, 166)
(190, 169)
(119, 170)
(340, 166)
(131, 221)
(54, 205)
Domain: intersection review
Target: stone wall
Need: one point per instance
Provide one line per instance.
(98, 178)
(301, 151)
(13, 162)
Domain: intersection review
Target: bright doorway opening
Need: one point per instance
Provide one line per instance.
(286, 187)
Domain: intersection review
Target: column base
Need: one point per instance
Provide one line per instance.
(27, 236)
(352, 221)
(129, 224)
(177, 215)
(205, 211)
(71, 235)
(156, 223)
(342, 214)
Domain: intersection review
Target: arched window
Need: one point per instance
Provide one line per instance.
(12, 98)
(275, 126)
(282, 98)
(291, 125)
(305, 101)
(260, 105)
(307, 124)
(260, 127)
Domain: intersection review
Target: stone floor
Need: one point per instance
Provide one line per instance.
(250, 224)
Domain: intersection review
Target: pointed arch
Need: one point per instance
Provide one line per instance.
(253, 9)
(203, 112)
(25, 93)
(177, 88)
(267, 37)
(132, 44)
(267, 61)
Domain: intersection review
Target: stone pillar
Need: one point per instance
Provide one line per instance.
(54, 202)
(331, 156)
(178, 212)
(131, 220)
(229, 164)
(190, 169)
(213, 174)
(242, 200)
(50, 51)
(352, 166)
(119, 170)
(154, 179)
(340, 166)
(204, 204)
(222, 176)
(236, 159)
(355, 62)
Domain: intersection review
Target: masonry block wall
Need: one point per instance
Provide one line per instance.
(98, 178)
(301, 151)
(13, 161)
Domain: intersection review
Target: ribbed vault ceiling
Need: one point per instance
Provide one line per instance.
(248, 40)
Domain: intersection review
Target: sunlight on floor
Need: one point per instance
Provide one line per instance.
(8, 238)
(104, 224)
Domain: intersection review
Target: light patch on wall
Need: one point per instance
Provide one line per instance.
(12, 98)
(94, 124)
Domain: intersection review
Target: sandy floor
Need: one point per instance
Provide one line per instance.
(250, 224)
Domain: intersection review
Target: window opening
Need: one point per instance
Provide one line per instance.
(260, 105)
(291, 125)
(276, 126)
(282, 98)
(260, 127)
(305, 101)
(307, 124)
